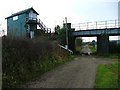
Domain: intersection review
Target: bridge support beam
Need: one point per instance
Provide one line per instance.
(103, 44)
(71, 38)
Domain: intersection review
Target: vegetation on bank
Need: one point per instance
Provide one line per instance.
(108, 76)
(26, 59)
(117, 56)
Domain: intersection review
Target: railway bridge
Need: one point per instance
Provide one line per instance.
(102, 30)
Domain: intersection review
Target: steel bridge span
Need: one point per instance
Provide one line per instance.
(102, 30)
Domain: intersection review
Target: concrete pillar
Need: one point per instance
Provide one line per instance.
(71, 38)
(103, 44)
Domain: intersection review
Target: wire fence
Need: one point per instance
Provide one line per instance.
(96, 25)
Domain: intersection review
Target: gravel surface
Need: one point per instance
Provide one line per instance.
(79, 73)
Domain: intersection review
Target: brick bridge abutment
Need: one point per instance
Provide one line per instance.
(102, 41)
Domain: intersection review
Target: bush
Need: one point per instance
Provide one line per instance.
(25, 59)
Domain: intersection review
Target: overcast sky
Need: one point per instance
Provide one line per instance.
(53, 12)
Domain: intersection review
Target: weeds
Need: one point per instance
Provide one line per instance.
(25, 59)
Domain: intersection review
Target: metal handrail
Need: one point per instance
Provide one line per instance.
(96, 25)
(47, 30)
(41, 24)
(65, 48)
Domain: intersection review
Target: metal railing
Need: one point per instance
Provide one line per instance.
(31, 19)
(96, 25)
(43, 26)
(37, 21)
(66, 49)
(40, 23)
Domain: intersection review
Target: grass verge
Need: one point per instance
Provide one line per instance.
(107, 76)
(114, 56)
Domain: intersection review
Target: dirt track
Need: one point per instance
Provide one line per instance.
(79, 73)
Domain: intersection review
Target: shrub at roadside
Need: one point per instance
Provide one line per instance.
(25, 59)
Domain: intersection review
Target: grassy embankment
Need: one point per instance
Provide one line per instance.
(110, 55)
(26, 59)
(108, 76)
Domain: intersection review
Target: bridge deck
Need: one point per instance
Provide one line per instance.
(110, 27)
(96, 32)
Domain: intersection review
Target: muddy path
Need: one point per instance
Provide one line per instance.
(79, 73)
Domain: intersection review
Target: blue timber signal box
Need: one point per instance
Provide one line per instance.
(24, 23)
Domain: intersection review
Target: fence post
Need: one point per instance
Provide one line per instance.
(96, 25)
(79, 26)
(87, 25)
(115, 23)
(106, 24)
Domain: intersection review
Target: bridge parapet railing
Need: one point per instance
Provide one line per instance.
(96, 25)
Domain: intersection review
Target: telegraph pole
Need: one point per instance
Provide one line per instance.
(66, 32)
